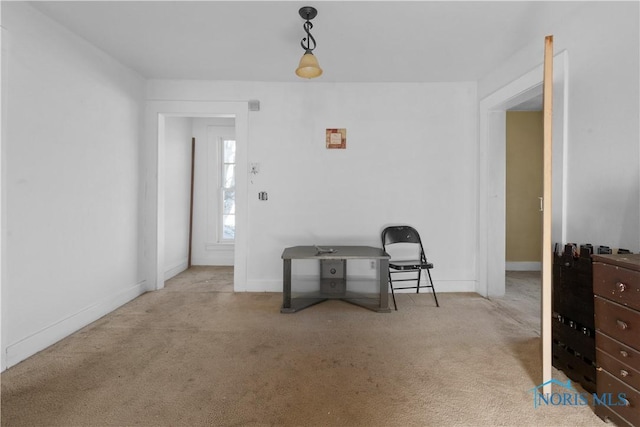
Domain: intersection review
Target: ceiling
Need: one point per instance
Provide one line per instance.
(357, 41)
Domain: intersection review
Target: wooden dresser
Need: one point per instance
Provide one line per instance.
(616, 288)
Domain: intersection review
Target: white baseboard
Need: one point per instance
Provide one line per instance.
(215, 254)
(262, 286)
(523, 266)
(38, 341)
(175, 270)
(440, 285)
(217, 261)
(443, 286)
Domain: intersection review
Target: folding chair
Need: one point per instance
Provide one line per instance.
(404, 245)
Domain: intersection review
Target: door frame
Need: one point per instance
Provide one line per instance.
(492, 182)
(153, 161)
(492, 169)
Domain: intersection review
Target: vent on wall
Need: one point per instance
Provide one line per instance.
(254, 105)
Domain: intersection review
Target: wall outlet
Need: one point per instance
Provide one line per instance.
(372, 265)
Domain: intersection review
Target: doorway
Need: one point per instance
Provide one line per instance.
(523, 196)
(492, 169)
(523, 211)
(199, 192)
(214, 191)
(154, 181)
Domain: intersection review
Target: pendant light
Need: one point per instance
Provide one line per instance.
(308, 67)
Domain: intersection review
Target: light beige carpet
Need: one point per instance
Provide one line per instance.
(191, 355)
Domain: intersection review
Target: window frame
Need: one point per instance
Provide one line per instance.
(221, 189)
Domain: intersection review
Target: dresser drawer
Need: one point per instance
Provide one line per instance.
(617, 284)
(629, 408)
(617, 321)
(608, 416)
(624, 373)
(625, 354)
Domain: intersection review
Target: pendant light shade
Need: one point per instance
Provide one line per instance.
(308, 67)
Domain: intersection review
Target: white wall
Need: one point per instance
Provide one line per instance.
(410, 158)
(178, 136)
(603, 149)
(3, 106)
(71, 183)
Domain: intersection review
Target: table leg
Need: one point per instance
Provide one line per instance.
(383, 272)
(286, 284)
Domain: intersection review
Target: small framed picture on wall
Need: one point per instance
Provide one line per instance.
(337, 138)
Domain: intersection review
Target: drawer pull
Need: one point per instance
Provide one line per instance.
(621, 286)
(624, 373)
(622, 325)
(624, 353)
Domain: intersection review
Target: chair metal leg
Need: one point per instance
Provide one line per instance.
(393, 295)
(418, 284)
(433, 288)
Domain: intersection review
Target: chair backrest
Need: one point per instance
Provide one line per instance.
(399, 234)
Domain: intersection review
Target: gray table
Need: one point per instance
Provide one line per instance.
(379, 285)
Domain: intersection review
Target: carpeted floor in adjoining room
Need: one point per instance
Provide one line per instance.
(197, 354)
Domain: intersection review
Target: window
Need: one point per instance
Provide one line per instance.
(228, 190)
